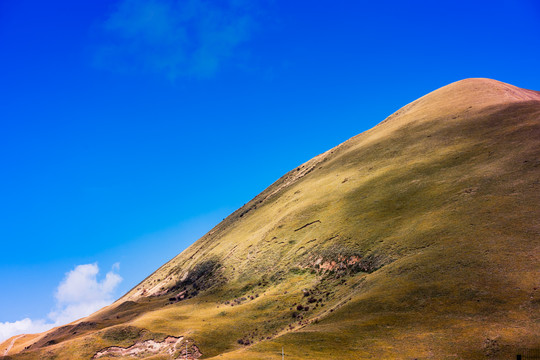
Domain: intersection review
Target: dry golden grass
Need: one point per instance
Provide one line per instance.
(441, 201)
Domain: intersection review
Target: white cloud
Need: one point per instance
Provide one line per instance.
(81, 285)
(173, 37)
(78, 295)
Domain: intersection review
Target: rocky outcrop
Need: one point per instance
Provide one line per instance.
(175, 347)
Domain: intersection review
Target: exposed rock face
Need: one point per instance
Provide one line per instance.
(171, 346)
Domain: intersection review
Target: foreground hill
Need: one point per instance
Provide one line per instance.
(417, 239)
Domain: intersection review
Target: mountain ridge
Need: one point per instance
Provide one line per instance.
(401, 243)
(496, 92)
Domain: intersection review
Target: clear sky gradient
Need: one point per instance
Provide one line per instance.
(129, 128)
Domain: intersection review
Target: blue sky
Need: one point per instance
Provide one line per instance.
(131, 127)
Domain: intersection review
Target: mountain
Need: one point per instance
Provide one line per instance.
(417, 239)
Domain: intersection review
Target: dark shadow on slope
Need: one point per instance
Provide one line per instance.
(205, 275)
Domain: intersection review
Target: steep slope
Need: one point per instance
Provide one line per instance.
(419, 238)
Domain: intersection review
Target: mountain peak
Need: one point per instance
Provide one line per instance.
(484, 88)
(461, 99)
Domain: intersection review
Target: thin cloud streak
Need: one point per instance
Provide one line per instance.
(174, 38)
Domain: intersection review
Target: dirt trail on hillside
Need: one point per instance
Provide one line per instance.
(11, 344)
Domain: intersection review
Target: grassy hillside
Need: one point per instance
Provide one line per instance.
(417, 239)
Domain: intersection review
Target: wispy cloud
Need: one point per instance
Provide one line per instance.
(175, 38)
(78, 295)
